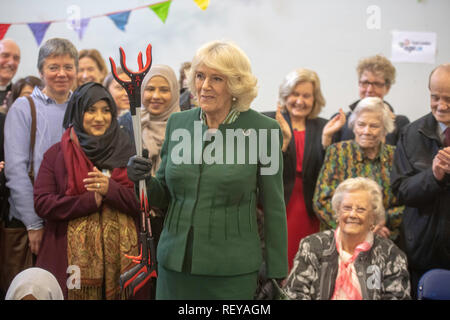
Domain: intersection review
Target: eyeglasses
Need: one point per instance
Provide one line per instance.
(365, 84)
(348, 209)
(54, 68)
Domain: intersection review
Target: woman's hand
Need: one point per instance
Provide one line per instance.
(2, 165)
(98, 183)
(333, 126)
(285, 129)
(382, 230)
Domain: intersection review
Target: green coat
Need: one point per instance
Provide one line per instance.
(218, 201)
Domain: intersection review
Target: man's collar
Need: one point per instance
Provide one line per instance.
(8, 86)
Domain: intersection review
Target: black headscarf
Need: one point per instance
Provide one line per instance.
(110, 150)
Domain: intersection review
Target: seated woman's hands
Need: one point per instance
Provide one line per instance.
(98, 183)
(139, 168)
(332, 126)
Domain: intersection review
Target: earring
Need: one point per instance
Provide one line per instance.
(234, 99)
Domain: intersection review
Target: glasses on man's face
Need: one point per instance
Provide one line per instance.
(348, 209)
(365, 84)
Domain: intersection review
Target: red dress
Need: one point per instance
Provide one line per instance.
(299, 223)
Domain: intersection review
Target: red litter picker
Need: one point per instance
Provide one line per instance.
(145, 267)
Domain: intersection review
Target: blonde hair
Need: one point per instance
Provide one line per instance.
(378, 65)
(228, 59)
(293, 79)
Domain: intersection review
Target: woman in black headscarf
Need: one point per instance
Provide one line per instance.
(83, 193)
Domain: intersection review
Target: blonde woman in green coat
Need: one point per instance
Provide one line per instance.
(216, 162)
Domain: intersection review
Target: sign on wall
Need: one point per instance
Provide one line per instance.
(418, 47)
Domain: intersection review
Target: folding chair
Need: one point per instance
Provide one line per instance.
(434, 285)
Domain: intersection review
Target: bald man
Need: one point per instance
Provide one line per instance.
(9, 62)
(421, 180)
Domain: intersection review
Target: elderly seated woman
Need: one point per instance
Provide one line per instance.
(350, 263)
(365, 156)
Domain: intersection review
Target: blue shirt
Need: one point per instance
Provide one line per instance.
(49, 130)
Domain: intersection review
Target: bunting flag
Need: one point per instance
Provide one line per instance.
(3, 29)
(120, 19)
(161, 9)
(202, 4)
(82, 27)
(39, 30)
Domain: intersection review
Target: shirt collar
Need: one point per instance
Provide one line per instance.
(3, 88)
(46, 99)
(360, 156)
(230, 118)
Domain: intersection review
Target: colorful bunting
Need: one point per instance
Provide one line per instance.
(120, 19)
(161, 9)
(82, 27)
(202, 4)
(39, 30)
(3, 29)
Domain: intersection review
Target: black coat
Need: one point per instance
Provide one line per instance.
(345, 133)
(312, 160)
(426, 219)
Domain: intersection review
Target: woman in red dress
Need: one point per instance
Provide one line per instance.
(300, 102)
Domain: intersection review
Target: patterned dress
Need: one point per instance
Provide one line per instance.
(345, 160)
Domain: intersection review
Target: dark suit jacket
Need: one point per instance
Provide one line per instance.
(312, 160)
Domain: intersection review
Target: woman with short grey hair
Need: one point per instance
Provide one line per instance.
(366, 155)
(373, 104)
(352, 262)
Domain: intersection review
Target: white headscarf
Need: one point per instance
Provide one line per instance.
(35, 281)
(154, 127)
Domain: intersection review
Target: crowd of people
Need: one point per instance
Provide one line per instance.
(244, 204)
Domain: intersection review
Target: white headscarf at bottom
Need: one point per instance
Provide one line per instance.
(35, 281)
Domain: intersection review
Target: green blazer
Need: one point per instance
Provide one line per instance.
(217, 201)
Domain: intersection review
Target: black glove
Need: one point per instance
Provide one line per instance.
(139, 168)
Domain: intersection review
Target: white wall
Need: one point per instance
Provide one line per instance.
(328, 36)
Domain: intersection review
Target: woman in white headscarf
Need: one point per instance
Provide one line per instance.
(34, 284)
(160, 97)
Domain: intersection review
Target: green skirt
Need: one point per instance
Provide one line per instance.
(173, 285)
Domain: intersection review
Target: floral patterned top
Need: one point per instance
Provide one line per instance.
(345, 160)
